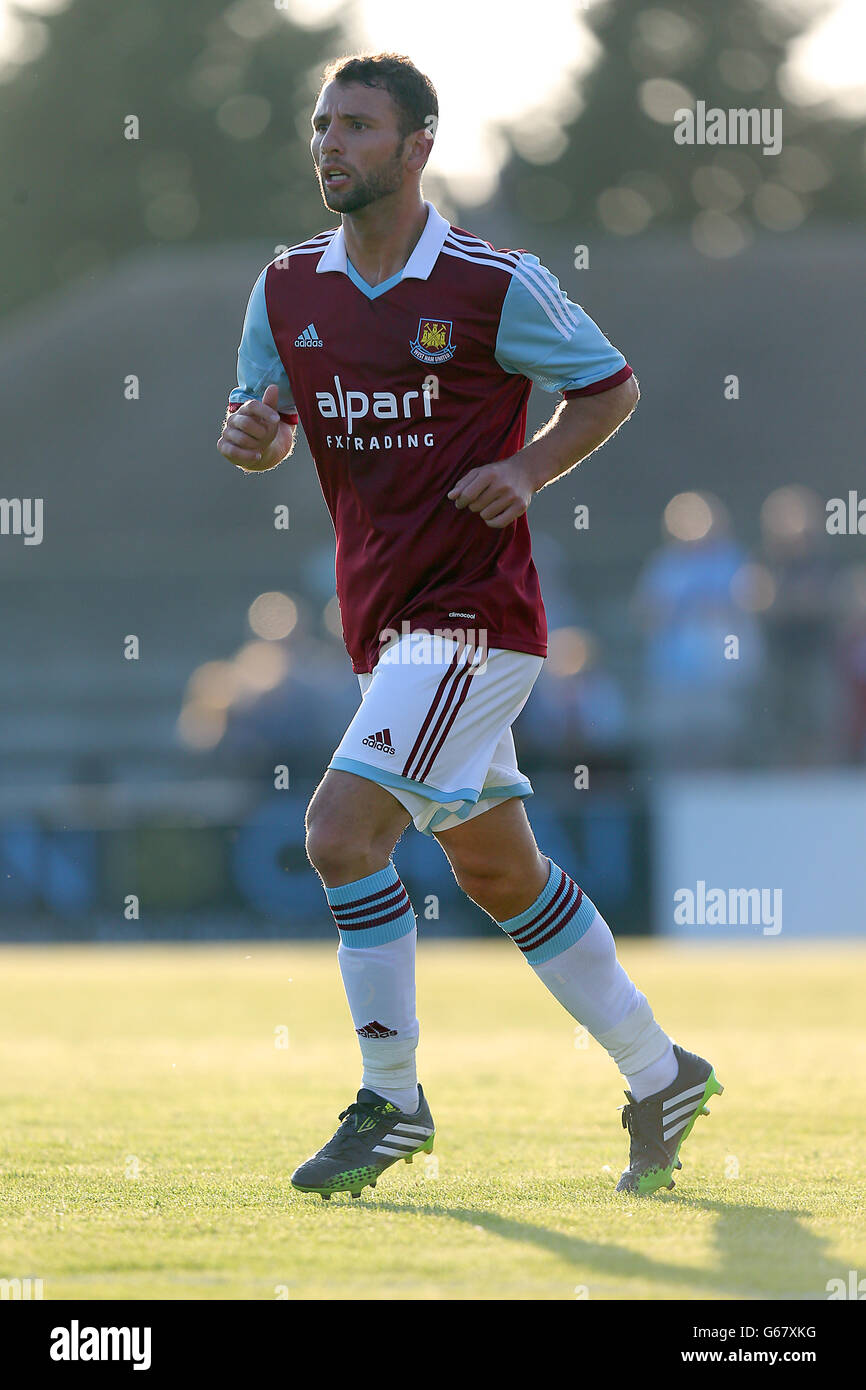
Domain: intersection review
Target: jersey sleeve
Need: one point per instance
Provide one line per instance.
(259, 363)
(546, 338)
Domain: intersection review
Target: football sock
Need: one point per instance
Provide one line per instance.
(377, 962)
(656, 1077)
(572, 951)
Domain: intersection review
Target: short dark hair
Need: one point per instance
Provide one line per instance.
(411, 91)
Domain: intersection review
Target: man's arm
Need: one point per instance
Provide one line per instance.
(501, 492)
(259, 429)
(254, 437)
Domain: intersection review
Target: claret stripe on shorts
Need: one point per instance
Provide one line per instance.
(441, 713)
(559, 916)
(373, 910)
(457, 692)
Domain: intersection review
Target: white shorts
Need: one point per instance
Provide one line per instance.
(434, 727)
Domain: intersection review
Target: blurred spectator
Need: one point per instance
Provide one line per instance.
(577, 711)
(703, 650)
(798, 624)
(286, 696)
(560, 585)
(852, 665)
(300, 720)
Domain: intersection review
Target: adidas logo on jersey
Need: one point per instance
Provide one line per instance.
(309, 337)
(376, 1030)
(380, 741)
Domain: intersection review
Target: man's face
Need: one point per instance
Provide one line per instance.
(356, 146)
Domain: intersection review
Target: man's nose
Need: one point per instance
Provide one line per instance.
(330, 141)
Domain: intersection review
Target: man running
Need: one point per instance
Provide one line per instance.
(408, 348)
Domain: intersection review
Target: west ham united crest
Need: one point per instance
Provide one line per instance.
(433, 343)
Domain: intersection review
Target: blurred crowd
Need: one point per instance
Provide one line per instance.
(721, 657)
(745, 659)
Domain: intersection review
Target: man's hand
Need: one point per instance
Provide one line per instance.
(499, 492)
(254, 437)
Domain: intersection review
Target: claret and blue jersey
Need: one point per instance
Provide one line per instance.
(401, 388)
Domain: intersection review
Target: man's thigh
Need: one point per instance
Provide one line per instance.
(355, 808)
(499, 842)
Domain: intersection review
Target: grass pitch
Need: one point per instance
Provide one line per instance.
(154, 1101)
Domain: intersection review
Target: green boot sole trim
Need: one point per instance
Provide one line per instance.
(354, 1180)
(655, 1178)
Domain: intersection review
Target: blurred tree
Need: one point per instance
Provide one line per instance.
(222, 95)
(622, 168)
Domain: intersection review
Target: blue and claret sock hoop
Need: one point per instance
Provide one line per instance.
(559, 916)
(372, 910)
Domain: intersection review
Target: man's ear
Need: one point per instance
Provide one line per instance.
(420, 146)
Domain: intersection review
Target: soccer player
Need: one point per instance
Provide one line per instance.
(407, 348)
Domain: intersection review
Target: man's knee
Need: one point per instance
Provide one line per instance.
(329, 840)
(338, 844)
(495, 859)
(489, 880)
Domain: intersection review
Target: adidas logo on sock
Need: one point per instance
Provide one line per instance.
(380, 741)
(309, 337)
(376, 1030)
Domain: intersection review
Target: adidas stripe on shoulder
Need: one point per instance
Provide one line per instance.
(313, 246)
(534, 278)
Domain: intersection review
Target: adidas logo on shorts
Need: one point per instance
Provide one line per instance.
(380, 741)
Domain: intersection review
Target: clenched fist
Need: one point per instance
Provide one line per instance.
(254, 437)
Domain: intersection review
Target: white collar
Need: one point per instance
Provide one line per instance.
(419, 264)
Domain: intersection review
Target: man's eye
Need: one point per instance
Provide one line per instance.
(359, 125)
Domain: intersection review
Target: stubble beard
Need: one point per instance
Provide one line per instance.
(381, 183)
